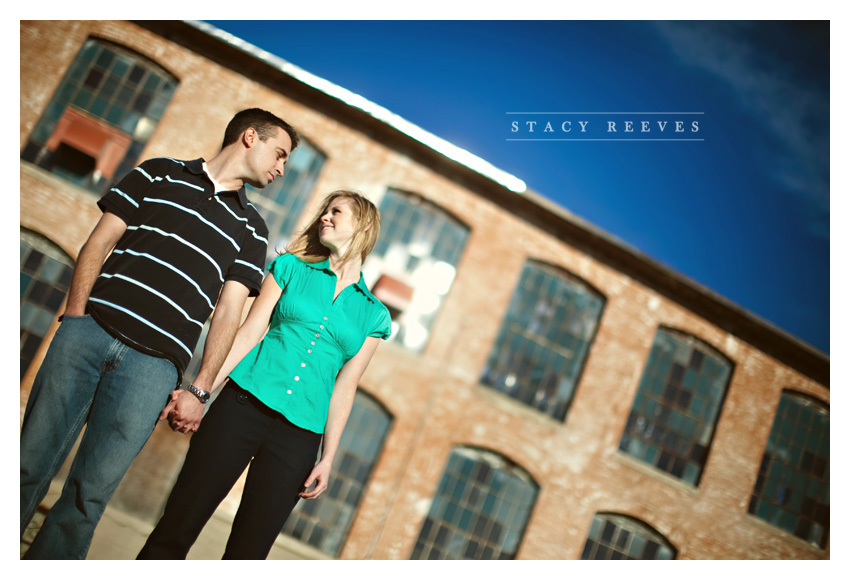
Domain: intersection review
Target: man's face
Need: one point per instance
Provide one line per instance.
(266, 159)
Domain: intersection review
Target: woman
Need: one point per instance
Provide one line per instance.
(284, 391)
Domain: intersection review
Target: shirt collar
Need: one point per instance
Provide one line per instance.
(361, 284)
(323, 265)
(196, 166)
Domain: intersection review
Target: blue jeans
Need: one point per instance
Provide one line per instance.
(87, 377)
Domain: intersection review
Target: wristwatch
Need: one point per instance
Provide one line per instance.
(203, 396)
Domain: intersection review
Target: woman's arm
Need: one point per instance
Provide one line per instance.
(340, 407)
(253, 329)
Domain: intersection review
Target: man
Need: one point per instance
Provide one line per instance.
(183, 240)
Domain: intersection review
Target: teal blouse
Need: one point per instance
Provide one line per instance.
(310, 337)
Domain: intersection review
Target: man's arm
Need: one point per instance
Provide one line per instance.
(185, 411)
(225, 323)
(102, 240)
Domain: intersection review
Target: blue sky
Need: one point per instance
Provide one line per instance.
(743, 210)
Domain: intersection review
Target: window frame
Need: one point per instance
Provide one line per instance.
(574, 281)
(486, 461)
(312, 507)
(631, 522)
(762, 481)
(34, 239)
(62, 108)
(375, 268)
(263, 203)
(695, 343)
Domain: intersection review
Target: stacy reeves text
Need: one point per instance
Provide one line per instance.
(606, 126)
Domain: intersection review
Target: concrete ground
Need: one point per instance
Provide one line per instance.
(120, 536)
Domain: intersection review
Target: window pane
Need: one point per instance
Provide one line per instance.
(412, 267)
(544, 340)
(615, 537)
(675, 411)
(88, 132)
(480, 511)
(282, 202)
(792, 488)
(324, 523)
(45, 275)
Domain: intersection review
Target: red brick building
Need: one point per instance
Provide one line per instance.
(548, 393)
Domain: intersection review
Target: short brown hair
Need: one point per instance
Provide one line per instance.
(262, 121)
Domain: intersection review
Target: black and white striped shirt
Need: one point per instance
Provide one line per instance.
(183, 241)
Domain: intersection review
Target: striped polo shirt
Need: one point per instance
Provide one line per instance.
(183, 241)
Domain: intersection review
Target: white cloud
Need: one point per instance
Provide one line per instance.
(794, 114)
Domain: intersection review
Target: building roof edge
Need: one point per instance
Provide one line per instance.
(376, 111)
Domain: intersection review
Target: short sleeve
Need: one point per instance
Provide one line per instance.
(282, 268)
(248, 268)
(383, 323)
(125, 197)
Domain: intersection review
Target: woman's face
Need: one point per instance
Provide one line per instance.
(338, 224)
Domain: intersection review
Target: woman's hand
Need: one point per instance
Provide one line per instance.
(320, 475)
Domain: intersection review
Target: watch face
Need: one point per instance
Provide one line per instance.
(203, 396)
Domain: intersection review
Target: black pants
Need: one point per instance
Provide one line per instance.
(236, 430)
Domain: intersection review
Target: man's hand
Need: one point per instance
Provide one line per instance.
(184, 412)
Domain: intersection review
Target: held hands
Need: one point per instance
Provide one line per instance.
(184, 412)
(320, 476)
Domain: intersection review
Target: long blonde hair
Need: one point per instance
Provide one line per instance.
(308, 247)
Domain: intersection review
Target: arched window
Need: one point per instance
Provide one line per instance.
(541, 348)
(618, 537)
(45, 276)
(324, 523)
(675, 411)
(792, 489)
(413, 264)
(282, 202)
(480, 511)
(100, 118)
